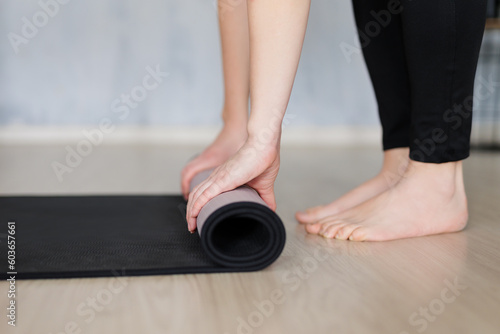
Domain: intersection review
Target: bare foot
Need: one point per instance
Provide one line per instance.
(429, 199)
(227, 143)
(395, 164)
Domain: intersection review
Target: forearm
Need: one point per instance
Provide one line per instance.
(234, 35)
(277, 30)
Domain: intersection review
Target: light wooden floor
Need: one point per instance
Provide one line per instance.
(324, 286)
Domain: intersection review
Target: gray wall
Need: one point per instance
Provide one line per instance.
(91, 52)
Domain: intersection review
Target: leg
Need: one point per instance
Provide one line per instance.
(442, 53)
(233, 24)
(385, 59)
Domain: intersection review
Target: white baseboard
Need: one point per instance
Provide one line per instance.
(486, 133)
(340, 136)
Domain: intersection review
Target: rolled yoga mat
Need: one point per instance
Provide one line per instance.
(238, 229)
(93, 236)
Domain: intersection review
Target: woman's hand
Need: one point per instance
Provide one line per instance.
(227, 143)
(256, 164)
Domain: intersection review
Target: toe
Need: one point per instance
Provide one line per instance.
(309, 216)
(346, 231)
(359, 234)
(313, 228)
(329, 230)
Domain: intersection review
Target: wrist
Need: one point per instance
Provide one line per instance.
(265, 128)
(235, 125)
(264, 125)
(264, 138)
(236, 130)
(235, 117)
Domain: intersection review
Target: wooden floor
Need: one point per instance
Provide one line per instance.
(438, 284)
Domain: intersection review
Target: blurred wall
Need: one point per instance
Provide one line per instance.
(72, 68)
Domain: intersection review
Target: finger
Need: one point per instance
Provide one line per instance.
(195, 193)
(215, 185)
(209, 189)
(198, 203)
(199, 199)
(187, 175)
(190, 170)
(201, 187)
(191, 225)
(193, 197)
(269, 198)
(188, 210)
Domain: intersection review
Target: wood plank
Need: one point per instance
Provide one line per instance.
(325, 286)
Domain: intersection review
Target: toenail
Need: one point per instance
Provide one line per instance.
(325, 234)
(350, 238)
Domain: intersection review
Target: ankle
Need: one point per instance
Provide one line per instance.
(396, 159)
(395, 165)
(444, 178)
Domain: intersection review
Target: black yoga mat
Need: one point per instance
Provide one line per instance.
(91, 236)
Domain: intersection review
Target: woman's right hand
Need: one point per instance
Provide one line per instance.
(228, 142)
(256, 164)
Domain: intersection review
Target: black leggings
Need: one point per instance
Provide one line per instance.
(422, 57)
